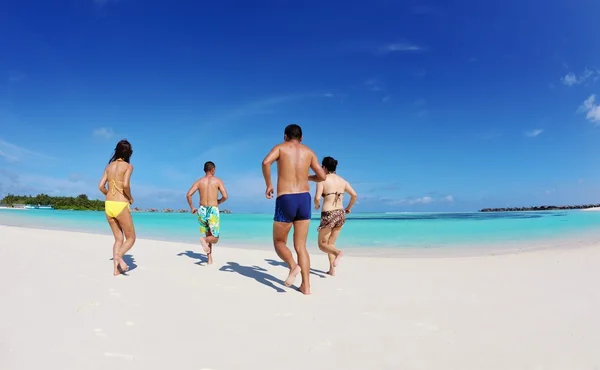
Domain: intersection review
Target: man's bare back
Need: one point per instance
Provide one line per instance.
(293, 163)
(292, 206)
(209, 187)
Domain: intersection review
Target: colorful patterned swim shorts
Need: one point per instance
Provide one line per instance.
(332, 219)
(209, 220)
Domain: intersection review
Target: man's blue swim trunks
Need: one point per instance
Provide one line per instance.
(292, 207)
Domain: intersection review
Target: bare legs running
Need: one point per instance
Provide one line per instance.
(124, 233)
(209, 240)
(280, 235)
(327, 238)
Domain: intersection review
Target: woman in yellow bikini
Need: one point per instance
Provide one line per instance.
(118, 198)
(333, 214)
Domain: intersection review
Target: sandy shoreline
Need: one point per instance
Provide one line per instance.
(533, 310)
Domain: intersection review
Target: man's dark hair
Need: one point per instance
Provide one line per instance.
(208, 166)
(293, 132)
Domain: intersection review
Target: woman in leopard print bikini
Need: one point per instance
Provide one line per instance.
(333, 214)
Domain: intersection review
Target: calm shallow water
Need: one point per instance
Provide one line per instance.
(362, 230)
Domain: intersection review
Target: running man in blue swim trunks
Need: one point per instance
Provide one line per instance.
(293, 203)
(209, 187)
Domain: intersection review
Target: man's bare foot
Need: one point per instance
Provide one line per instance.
(204, 245)
(336, 261)
(304, 289)
(292, 276)
(331, 272)
(209, 254)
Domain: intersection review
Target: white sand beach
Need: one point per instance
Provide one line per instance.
(62, 309)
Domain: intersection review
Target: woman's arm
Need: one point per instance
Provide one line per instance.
(102, 183)
(318, 195)
(352, 193)
(127, 182)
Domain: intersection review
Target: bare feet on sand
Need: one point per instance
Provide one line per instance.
(120, 266)
(331, 272)
(304, 289)
(336, 261)
(209, 254)
(292, 276)
(204, 245)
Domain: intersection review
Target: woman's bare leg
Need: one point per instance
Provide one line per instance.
(126, 223)
(118, 233)
(335, 261)
(326, 246)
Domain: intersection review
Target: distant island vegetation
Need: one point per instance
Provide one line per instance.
(539, 208)
(78, 203)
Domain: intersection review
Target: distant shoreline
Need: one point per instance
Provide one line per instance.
(587, 207)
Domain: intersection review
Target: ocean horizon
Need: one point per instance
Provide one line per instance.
(362, 231)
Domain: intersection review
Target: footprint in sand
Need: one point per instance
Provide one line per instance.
(100, 333)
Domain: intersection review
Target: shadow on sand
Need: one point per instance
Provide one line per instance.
(130, 261)
(202, 258)
(255, 272)
(315, 272)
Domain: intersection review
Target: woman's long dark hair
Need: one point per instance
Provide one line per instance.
(122, 151)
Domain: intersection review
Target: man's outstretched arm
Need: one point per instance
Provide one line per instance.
(320, 174)
(190, 194)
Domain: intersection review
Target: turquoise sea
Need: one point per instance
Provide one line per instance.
(362, 230)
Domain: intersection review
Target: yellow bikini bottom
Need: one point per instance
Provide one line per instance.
(114, 208)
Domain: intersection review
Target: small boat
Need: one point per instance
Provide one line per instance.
(29, 206)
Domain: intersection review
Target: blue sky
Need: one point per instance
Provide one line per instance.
(448, 106)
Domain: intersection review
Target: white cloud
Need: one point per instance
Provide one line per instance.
(427, 199)
(448, 198)
(534, 133)
(374, 84)
(399, 47)
(104, 132)
(571, 79)
(328, 95)
(385, 99)
(16, 154)
(591, 108)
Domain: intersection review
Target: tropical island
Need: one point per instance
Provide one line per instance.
(539, 208)
(78, 203)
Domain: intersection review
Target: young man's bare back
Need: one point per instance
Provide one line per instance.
(209, 187)
(293, 203)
